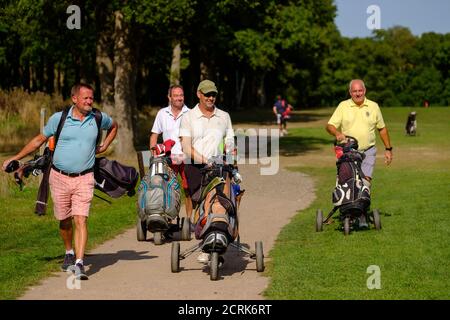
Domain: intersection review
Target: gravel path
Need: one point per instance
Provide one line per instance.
(123, 268)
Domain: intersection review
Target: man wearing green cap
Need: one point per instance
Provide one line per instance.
(204, 132)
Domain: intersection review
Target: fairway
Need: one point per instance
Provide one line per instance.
(410, 252)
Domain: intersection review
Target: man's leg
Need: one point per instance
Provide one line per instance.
(188, 205)
(81, 202)
(369, 163)
(284, 126)
(184, 182)
(66, 232)
(280, 124)
(61, 196)
(194, 180)
(81, 236)
(367, 168)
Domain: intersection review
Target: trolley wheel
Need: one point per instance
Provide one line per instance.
(259, 256)
(319, 220)
(347, 225)
(376, 219)
(157, 238)
(175, 257)
(185, 229)
(141, 230)
(214, 266)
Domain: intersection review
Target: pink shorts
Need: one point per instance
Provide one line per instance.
(71, 196)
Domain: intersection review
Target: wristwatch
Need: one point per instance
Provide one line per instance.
(388, 149)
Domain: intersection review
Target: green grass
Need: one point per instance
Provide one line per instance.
(411, 250)
(30, 246)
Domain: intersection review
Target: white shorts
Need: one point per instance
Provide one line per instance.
(278, 118)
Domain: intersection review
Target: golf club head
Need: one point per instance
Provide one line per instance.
(12, 166)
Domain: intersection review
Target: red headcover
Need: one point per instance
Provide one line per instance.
(339, 151)
(165, 147)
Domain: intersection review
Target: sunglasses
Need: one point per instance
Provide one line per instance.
(210, 94)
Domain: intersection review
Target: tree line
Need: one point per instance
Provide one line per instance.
(133, 50)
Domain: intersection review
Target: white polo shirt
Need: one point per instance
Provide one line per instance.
(208, 135)
(169, 126)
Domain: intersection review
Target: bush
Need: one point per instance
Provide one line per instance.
(20, 115)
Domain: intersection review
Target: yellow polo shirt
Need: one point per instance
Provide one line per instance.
(359, 122)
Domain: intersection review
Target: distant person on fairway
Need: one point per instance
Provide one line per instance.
(282, 110)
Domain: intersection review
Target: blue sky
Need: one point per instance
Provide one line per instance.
(418, 15)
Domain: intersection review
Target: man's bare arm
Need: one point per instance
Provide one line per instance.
(30, 147)
(191, 153)
(110, 135)
(153, 141)
(334, 132)
(384, 135)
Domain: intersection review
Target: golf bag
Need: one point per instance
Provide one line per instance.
(411, 124)
(216, 216)
(352, 191)
(159, 194)
(114, 178)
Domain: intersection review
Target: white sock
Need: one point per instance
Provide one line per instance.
(79, 261)
(70, 252)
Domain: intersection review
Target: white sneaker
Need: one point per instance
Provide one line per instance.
(203, 257)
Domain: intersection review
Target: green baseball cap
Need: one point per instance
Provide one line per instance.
(207, 86)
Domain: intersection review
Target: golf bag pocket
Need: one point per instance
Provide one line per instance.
(216, 212)
(350, 187)
(114, 178)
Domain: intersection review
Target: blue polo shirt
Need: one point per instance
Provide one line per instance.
(75, 150)
(281, 106)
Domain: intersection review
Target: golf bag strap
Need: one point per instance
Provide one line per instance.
(98, 120)
(360, 172)
(65, 113)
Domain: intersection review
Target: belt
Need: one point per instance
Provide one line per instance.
(73, 174)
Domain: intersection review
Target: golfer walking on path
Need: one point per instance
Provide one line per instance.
(72, 174)
(205, 131)
(167, 123)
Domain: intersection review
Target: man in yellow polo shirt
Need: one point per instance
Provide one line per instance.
(358, 117)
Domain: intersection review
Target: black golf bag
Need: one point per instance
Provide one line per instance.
(352, 192)
(411, 124)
